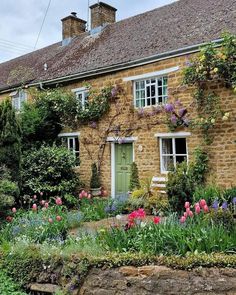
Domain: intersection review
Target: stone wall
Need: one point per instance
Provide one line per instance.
(222, 151)
(159, 280)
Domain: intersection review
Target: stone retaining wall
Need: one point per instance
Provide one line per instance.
(159, 280)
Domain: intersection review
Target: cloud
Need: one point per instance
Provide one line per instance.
(20, 20)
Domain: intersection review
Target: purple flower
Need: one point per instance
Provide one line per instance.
(215, 205)
(234, 201)
(114, 92)
(224, 205)
(173, 120)
(169, 107)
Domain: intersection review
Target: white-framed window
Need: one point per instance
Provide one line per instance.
(18, 97)
(71, 142)
(82, 95)
(173, 150)
(151, 91)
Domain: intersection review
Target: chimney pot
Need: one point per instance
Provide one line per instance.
(101, 14)
(74, 14)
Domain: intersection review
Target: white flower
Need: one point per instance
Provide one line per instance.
(142, 224)
(118, 217)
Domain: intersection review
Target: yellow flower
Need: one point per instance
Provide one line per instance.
(215, 70)
(202, 58)
(213, 121)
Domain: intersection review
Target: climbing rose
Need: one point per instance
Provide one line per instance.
(58, 201)
(156, 219)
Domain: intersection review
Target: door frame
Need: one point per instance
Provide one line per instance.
(113, 142)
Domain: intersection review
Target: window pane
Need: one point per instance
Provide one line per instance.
(159, 82)
(165, 90)
(142, 93)
(167, 147)
(71, 143)
(142, 84)
(137, 85)
(76, 144)
(165, 81)
(180, 159)
(138, 103)
(180, 146)
(142, 102)
(137, 94)
(153, 90)
(148, 91)
(168, 163)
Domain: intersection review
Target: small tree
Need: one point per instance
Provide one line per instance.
(134, 178)
(95, 179)
(10, 140)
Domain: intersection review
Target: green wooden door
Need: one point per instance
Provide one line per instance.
(123, 161)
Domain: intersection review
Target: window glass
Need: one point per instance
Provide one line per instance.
(167, 147)
(180, 145)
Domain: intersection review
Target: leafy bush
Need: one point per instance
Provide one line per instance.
(7, 286)
(210, 193)
(229, 194)
(221, 217)
(95, 179)
(184, 180)
(134, 177)
(9, 190)
(10, 140)
(49, 170)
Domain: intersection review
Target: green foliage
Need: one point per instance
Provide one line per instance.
(97, 105)
(10, 146)
(211, 65)
(184, 180)
(134, 177)
(93, 209)
(7, 286)
(229, 194)
(43, 118)
(170, 238)
(9, 190)
(49, 170)
(209, 193)
(222, 217)
(95, 179)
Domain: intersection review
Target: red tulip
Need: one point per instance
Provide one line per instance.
(197, 209)
(183, 219)
(205, 209)
(156, 219)
(58, 201)
(50, 220)
(34, 207)
(58, 218)
(202, 203)
(186, 205)
(13, 210)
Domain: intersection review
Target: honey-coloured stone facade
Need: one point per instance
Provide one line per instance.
(222, 151)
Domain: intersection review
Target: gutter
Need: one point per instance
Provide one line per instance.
(122, 66)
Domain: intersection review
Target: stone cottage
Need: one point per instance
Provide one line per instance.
(145, 56)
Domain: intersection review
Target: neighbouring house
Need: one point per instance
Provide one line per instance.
(144, 55)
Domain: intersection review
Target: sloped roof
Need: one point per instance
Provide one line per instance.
(171, 27)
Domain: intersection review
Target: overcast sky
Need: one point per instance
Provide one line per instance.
(20, 20)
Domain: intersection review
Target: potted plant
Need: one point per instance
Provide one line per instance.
(95, 184)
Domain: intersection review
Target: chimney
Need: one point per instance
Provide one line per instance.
(101, 14)
(72, 26)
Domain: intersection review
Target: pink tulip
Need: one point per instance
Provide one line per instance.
(206, 209)
(186, 205)
(13, 210)
(202, 203)
(43, 202)
(190, 214)
(188, 210)
(50, 220)
(46, 205)
(34, 207)
(58, 201)
(41, 193)
(34, 197)
(185, 214)
(197, 209)
(58, 218)
(89, 196)
(183, 219)
(197, 205)
(156, 219)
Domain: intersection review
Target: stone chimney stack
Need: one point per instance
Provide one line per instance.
(72, 26)
(101, 14)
